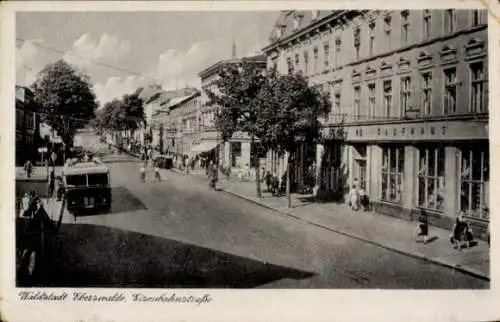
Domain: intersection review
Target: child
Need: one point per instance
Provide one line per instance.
(423, 228)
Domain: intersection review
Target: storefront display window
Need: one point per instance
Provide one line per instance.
(474, 182)
(392, 174)
(431, 178)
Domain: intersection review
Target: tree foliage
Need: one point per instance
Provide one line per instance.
(66, 97)
(125, 114)
(290, 111)
(234, 95)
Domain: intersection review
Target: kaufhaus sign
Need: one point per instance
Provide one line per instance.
(440, 131)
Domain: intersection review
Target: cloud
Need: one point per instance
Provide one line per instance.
(177, 68)
(86, 50)
(30, 59)
(116, 87)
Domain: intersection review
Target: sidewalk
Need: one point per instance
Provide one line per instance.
(37, 174)
(381, 230)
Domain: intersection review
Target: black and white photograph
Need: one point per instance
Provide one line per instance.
(332, 149)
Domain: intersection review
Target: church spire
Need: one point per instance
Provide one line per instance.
(233, 53)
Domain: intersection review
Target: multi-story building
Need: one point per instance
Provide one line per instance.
(27, 126)
(409, 93)
(178, 122)
(238, 151)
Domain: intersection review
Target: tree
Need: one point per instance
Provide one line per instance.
(289, 111)
(67, 98)
(235, 95)
(134, 112)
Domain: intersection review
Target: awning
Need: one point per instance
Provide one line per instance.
(204, 146)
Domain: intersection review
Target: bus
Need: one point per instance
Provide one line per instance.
(87, 186)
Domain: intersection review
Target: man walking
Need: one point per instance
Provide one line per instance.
(28, 168)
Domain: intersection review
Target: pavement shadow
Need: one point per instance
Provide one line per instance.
(122, 200)
(97, 256)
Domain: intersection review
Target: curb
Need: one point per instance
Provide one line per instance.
(465, 270)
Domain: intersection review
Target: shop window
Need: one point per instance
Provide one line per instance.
(474, 182)
(392, 174)
(431, 178)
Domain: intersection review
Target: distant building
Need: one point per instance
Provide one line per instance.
(237, 152)
(409, 90)
(27, 126)
(177, 123)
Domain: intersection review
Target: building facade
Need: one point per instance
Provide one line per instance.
(177, 121)
(237, 152)
(409, 93)
(27, 126)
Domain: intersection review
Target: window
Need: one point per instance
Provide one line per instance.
(450, 92)
(98, 179)
(431, 178)
(405, 94)
(357, 42)
(426, 93)
(315, 14)
(357, 102)
(372, 39)
(478, 17)
(297, 62)
(235, 153)
(392, 174)
(371, 100)
(474, 182)
(306, 62)
(315, 52)
(338, 43)
(405, 26)
(76, 180)
(326, 56)
(289, 65)
(387, 98)
(30, 121)
(387, 31)
(449, 21)
(256, 148)
(296, 23)
(427, 24)
(478, 85)
(337, 103)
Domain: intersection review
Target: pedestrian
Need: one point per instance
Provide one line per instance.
(60, 188)
(157, 170)
(461, 232)
(268, 179)
(423, 227)
(52, 184)
(28, 168)
(142, 172)
(212, 175)
(363, 198)
(354, 198)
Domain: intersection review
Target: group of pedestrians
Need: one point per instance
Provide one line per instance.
(358, 198)
(156, 169)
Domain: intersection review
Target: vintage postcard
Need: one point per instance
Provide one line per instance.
(248, 160)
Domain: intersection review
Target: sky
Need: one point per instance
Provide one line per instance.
(169, 48)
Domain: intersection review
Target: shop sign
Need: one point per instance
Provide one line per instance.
(452, 130)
